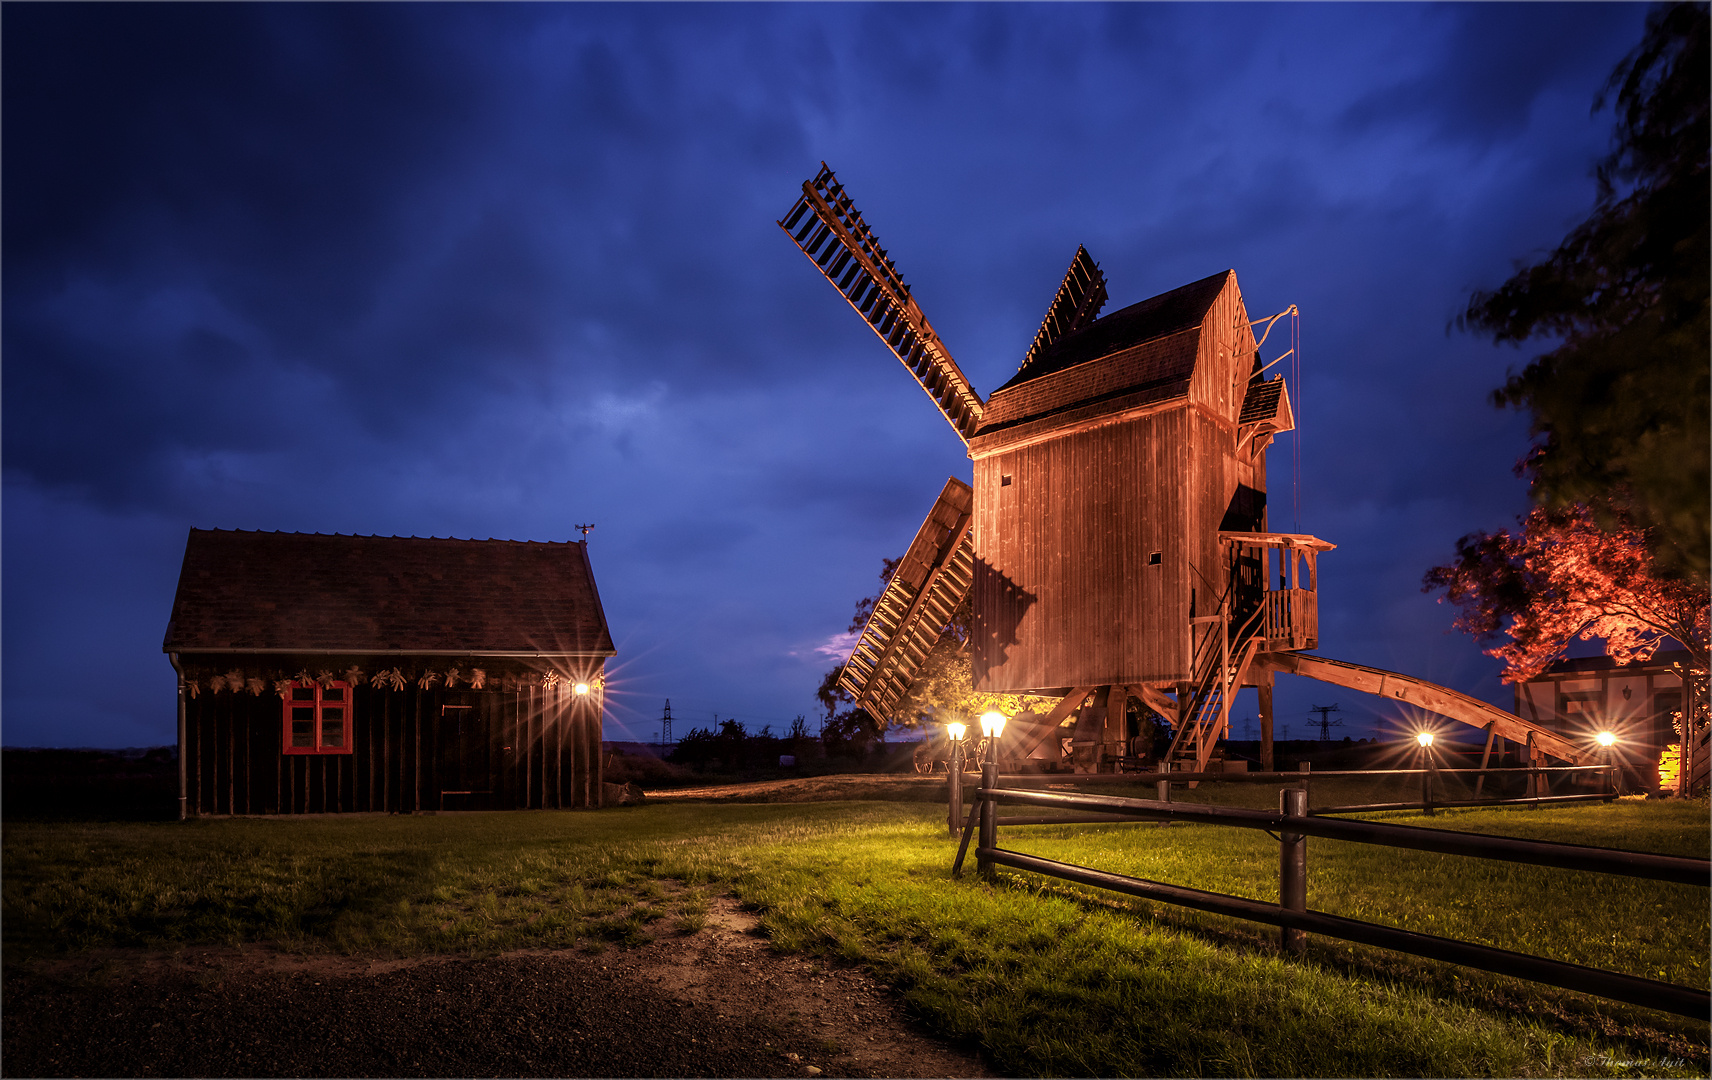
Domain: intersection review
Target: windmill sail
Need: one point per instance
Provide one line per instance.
(1080, 298)
(929, 582)
(830, 231)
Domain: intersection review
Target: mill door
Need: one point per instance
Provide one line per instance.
(466, 759)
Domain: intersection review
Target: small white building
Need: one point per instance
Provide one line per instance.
(1583, 696)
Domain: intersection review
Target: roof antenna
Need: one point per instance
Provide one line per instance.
(585, 530)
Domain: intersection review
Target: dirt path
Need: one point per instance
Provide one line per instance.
(714, 1003)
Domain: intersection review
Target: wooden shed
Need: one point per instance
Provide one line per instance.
(327, 673)
(1117, 475)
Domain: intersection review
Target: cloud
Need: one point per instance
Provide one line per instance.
(496, 271)
(838, 646)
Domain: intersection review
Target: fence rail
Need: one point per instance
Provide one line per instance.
(1291, 913)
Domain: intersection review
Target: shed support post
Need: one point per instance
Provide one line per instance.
(1292, 869)
(183, 765)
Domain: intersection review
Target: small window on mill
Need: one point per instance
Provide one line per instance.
(1004, 479)
(1153, 558)
(317, 719)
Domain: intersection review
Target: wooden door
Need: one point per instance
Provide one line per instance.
(466, 759)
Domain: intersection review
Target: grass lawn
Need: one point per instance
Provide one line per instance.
(1045, 977)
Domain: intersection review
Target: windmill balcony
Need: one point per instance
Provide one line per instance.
(1274, 579)
(1290, 621)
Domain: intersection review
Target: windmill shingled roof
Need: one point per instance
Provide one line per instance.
(372, 594)
(1182, 308)
(1146, 353)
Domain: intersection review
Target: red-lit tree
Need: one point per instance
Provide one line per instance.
(1561, 577)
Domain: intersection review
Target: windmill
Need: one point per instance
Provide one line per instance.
(1114, 541)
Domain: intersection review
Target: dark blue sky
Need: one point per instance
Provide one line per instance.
(497, 270)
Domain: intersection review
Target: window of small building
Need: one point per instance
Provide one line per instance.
(318, 718)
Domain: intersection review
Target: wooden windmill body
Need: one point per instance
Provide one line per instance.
(1115, 541)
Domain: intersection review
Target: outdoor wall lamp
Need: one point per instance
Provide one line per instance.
(1425, 739)
(1605, 738)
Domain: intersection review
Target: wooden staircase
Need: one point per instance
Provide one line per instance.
(1222, 658)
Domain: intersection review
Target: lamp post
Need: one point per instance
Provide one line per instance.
(1608, 740)
(992, 726)
(1425, 741)
(955, 802)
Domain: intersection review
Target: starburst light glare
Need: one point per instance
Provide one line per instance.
(992, 724)
(1605, 738)
(582, 688)
(1425, 738)
(956, 731)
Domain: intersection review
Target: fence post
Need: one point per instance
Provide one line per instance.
(955, 794)
(1293, 869)
(989, 819)
(1304, 767)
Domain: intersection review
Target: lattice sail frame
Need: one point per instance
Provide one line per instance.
(829, 229)
(1080, 297)
(933, 577)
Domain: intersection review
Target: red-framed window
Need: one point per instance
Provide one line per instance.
(318, 718)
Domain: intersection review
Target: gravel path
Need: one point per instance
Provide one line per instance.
(715, 1003)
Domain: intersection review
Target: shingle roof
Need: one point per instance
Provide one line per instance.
(1261, 402)
(1150, 346)
(1183, 308)
(374, 594)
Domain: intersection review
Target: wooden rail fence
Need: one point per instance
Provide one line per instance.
(1292, 824)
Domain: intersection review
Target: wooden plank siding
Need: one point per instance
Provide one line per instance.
(1064, 591)
(543, 752)
(1107, 496)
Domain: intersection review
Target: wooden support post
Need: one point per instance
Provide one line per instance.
(989, 818)
(1485, 757)
(1227, 686)
(1114, 734)
(1265, 691)
(1100, 711)
(183, 762)
(1293, 868)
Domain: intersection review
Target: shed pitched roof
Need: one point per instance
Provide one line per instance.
(309, 592)
(1150, 346)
